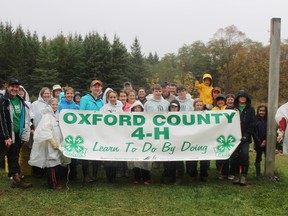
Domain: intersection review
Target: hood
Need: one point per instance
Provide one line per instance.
(220, 96)
(206, 75)
(136, 103)
(242, 93)
(47, 109)
(105, 94)
(27, 98)
(174, 102)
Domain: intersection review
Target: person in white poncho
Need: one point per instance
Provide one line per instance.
(281, 118)
(142, 170)
(113, 105)
(45, 150)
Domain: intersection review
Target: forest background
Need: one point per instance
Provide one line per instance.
(235, 62)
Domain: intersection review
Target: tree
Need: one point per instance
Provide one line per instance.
(119, 65)
(45, 73)
(223, 48)
(138, 66)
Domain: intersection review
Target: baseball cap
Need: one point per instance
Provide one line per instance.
(164, 84)
(13, 81)
(96, 82)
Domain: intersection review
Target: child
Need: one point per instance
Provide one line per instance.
(140, 169)
(156, 103)
(221, 165)
(77, 97)
(192, 165)
(67, 102)
(230, 101)
(220, 103)
(260, 136)
(186, 104)
(248, 121)
(112, 106)
(123, 98)
(45, 150)
(205, 89)
(131, 96)
(174, 169)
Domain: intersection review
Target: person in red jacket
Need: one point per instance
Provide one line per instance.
(282, 118)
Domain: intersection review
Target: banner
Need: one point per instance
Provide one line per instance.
(173, 136)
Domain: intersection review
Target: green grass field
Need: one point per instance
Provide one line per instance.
(216, 197)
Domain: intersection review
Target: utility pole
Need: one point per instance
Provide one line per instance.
(273, 94)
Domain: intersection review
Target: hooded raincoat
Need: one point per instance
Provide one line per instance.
(204, 90)
(42, 153)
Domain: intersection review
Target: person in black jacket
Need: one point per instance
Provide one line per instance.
(248, 122)
(13, 118)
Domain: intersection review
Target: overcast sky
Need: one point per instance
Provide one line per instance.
(162, 26)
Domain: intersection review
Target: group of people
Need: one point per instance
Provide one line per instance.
(19, 119)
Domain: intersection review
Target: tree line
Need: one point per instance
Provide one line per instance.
(235, 62)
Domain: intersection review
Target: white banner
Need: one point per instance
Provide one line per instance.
(173, 136)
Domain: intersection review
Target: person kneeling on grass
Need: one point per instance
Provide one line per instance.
(45, 150)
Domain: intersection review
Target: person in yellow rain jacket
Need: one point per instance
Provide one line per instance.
(205, 88)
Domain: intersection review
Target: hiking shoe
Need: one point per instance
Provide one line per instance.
(231, 177)
(17, 182)
(242, 181)
(236, 180)
(147, 182)
(222, 177)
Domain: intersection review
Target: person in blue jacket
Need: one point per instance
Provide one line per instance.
(92, 101)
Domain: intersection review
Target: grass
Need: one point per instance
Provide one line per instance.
(216, 197)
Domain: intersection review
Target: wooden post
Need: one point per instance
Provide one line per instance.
(273, 95)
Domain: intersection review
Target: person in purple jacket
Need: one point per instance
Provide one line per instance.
(260, 136)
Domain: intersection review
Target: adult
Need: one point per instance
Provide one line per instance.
(13, 119)
(165, 92)
(36, 108)
(173, 88)
(92, 101)
(127, 86)
(141, 96)
(57, 91)
(38, 105)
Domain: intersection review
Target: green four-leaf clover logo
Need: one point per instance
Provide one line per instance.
(74, 148)
(225, 146)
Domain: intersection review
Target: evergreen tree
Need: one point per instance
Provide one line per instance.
(119, 65)
(46, 73)
(138, 66)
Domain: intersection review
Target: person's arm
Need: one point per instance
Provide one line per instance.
(198, 85)
(282, 127)
(3, 123)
